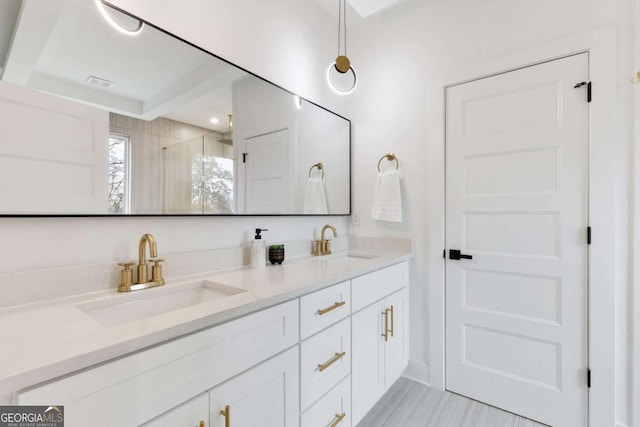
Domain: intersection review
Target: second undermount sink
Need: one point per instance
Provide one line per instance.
(346, 256)
(150, 302)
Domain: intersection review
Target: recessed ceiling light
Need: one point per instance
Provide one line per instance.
(214, 120)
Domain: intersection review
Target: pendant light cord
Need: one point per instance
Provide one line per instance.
(339, 23)
(342, 19)
(344, 16)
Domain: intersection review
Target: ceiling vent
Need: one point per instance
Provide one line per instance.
(93, 80)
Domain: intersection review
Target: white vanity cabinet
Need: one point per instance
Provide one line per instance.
(266, 395)
(380, 336)
(324, 358)
(137, 388)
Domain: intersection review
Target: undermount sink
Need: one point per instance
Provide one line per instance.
(361, 255)
(346, 256)
(150, 302)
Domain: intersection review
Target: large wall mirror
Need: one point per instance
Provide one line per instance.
(103, 114)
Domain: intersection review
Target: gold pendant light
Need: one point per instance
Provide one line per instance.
(341, 76)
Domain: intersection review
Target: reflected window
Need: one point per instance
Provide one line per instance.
(212, 184)
(119, 185)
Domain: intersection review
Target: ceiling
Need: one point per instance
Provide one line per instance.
(358, 9)
(58, 45)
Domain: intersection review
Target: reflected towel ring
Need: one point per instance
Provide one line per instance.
(391, 157)
(320, 168)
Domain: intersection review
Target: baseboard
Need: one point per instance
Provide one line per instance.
(417, 371)
(621, 425)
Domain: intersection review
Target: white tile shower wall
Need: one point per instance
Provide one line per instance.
(162, 151)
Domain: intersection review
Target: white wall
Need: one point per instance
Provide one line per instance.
(281, 40)
(398, 55)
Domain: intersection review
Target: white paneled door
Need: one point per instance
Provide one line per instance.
(267, 172)
(517, 193)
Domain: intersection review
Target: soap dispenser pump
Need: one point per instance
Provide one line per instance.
(258, 251)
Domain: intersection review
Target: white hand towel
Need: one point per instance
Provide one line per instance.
(387, 200)
(315, 199)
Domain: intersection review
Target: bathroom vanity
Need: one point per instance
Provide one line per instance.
(313, 342)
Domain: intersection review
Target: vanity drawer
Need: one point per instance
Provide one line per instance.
(325, 360)
(374, 286)
(142, 386)
(333, 409)
(324, 308)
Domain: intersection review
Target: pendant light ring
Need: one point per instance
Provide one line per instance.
(333, 67)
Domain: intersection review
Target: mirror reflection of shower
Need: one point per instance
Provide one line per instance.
(198, 176)
(228, 135)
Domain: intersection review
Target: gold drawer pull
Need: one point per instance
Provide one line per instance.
(226, 413)
(334, 359)
(392, 316)
(338, 419)
(333, 307)
(385, 334)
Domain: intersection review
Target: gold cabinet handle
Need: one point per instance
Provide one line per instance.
(333, 307)
(385, 313)
(338, 419)
(392, 316)
(226, 413)
(334, 359)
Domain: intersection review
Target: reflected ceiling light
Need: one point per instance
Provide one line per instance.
(114, 24)
(341, 76)
(214, 120)
(298, 102)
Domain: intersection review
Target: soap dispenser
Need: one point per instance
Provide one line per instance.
(258, 251)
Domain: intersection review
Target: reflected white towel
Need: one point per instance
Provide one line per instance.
(387, 200)
(315, 199)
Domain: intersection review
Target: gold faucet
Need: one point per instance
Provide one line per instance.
(323, 246)
(143, 270)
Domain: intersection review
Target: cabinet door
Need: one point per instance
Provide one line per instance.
(396, 349)
(266, 395)
(367, 371)
(190, 414)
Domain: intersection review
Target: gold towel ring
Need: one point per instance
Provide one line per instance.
(320, 168)
(391, 157)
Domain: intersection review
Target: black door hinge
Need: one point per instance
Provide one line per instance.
(588, 378)
(588, 85)
(588, 235)
(244, 157)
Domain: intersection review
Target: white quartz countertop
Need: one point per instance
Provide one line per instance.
(46, 340)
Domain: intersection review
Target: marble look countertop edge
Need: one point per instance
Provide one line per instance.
(12, 382)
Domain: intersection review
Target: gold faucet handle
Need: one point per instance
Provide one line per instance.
(126, 276)
(156, 270)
